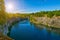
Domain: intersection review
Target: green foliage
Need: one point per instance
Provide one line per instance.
(47, 13)
(5, 16)
(2, 18)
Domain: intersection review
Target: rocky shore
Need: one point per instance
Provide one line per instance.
(4, 37)
(50, 22)
(6, 28)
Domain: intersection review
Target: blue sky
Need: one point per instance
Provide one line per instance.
(33, 5)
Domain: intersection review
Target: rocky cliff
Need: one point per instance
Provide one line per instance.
(51, 22)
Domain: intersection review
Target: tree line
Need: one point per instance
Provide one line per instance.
(47, 13)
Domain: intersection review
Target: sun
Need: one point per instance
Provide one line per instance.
(9, 7)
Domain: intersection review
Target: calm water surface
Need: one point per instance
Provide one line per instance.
(25, 31)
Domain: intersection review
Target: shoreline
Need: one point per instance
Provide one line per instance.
(46, 21)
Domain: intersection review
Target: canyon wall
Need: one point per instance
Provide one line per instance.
(51, 22)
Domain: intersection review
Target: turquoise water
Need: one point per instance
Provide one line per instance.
(25, 31)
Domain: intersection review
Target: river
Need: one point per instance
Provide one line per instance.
(26, 31)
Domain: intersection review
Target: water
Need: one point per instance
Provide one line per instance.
(25, 31)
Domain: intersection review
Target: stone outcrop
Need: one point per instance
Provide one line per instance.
(51, 22)
(4, 37)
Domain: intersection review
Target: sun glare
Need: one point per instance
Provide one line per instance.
(9, 7)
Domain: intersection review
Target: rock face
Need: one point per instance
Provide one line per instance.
(9, 23)
(3, 37)
(7, 27)
(53, 22)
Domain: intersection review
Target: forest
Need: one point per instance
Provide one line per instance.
(47, 13)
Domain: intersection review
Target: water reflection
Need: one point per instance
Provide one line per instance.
(49, 29)
(26, 31)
